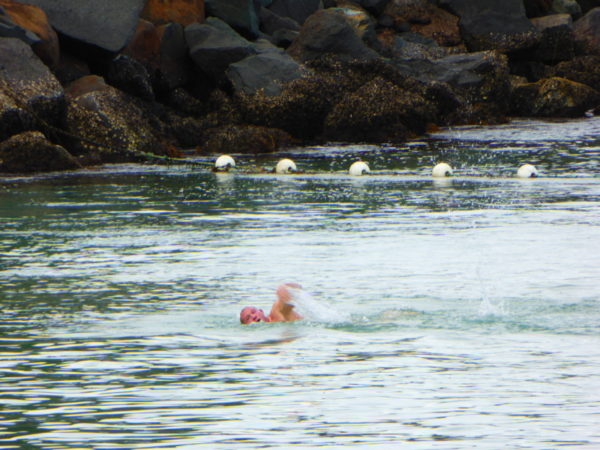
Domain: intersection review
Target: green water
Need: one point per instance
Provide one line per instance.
(460, 313)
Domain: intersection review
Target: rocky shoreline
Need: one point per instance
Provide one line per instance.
(86, 83)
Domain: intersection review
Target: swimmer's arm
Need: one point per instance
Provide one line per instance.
(283, 312)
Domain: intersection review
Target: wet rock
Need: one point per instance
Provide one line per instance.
(129, 75)
(265, 72)
(582, 69)
(31, 152)
(328, 32)
(108, 24)
(427, 19)
(184, 12)
(587, 32)
(493, 24)
(214, 46)
(377, 112)
(30, 96)
(297, 10)
(111, 127)
(557, 41)
(34, 20)
(245, 139)
(241, 15)
(553, 97)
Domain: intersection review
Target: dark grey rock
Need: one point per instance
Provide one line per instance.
(214, 46)
(587, 32)
(557, 41)
(130, 76)
(239, 14)
(108, 24)
(271, 22)
(493, 24)
(328, 32)
(175, 66)
(266, 72)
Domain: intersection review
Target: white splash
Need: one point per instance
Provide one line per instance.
(315, 310)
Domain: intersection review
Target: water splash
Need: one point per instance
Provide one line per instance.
(316, 310)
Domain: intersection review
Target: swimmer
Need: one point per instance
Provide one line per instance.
(281, 311)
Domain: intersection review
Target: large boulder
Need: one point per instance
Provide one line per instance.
(108, 24)
(31, 152)
(184, 12)
(377, 112)
(131, 76)
(587, 32)
(34, 20)
(298, 10)
(267, 72)
(109, 126)
(493, 24)
(214, 46)
(325, 32)
(553, 97)
(8, 28)
(30, 96)
(270, 22)
(557, 41)
(239, 14)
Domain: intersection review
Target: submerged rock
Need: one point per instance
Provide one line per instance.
(31, 152)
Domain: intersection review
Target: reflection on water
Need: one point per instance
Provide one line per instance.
(466, 308)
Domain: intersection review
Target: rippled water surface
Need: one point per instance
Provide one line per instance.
(461, 313)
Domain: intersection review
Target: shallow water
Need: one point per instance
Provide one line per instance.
(468, 309)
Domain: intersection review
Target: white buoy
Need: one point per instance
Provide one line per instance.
(527, 171)
(224, 163)
(442, 170)
(285, 165)
(359, 168)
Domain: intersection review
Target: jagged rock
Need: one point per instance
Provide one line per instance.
(427, 19)
(493, 24)
(266, 72)
(238, 14)
(31, 152)
(377, 112)
(245, 139)
(298, 10)
(28, 91)
(110, 127)
(553, 97)
(557, 41)
(34, 20)
(587, 32)
(582, 69)
(108, 24)
(214, 46)
(184, 12)
(327, 31)
(130, 76)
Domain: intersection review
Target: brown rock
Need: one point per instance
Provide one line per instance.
(553, 97)
(145, 44)
(184, 12)
(31, 152)
(582, 69)
(85, 85)
(34, 19)
(245, 139)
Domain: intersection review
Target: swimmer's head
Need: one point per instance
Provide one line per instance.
(251, 314)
